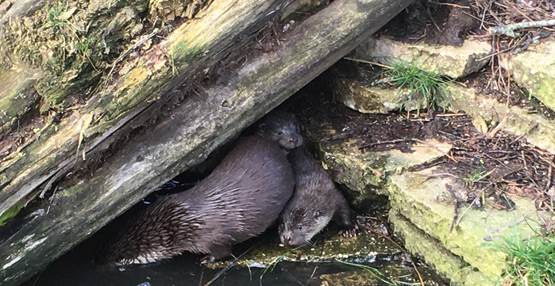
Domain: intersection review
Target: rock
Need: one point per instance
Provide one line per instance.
(415, 196)
(368, 99)
(451, 61)
(364, 173)
(351, 87)
(534, 70)
(537, 129)
(446, 263)
(422, 209)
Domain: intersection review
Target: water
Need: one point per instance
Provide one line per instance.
(77, 266)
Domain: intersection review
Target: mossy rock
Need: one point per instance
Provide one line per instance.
(534, 69)
(451, 61)
(518, 121)
(435, 254)
(424, 200)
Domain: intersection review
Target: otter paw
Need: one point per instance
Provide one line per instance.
(207, 260)
(350, 232)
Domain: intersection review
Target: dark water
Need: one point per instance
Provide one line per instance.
(77, 266)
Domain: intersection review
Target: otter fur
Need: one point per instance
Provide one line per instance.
(315, 202)
(240, 199)
(281, 127)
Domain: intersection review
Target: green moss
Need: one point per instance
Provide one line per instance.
(435, 254)
(546, 92)
(183, 52)
(425, 201)
(10, 213)
(73, 42)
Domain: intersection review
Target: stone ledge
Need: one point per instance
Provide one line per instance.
(420, 196)
(487, 113)
(423, 199)
(447, 264)
(534, 70)
(451, 61)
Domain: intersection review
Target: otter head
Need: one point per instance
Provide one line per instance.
(299, 225)
(283, 128)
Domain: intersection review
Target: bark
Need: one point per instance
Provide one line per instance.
(201, 123)
(145, 85)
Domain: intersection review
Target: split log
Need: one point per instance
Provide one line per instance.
(144, 87)
(201, 123)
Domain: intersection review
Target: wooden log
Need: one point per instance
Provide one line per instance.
(145, 85)
(192, 130)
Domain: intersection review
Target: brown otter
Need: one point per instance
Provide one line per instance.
(240, 199)
(315, 202)
(281, 127)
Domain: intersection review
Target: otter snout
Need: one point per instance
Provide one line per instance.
(296, 141)
(291, 142)
(291, 239)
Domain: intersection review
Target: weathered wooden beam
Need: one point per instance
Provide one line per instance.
(192, 47)
(194, 129)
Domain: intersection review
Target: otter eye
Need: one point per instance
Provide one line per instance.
(280, 133)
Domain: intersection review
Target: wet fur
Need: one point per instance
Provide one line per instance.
(281, 127)
(239, 200)
(315, 202)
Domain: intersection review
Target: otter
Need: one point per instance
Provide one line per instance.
(238, 200)
(281, 127)
(315, 202)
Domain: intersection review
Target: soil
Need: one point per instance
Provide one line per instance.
(490, 167)
(445, 23)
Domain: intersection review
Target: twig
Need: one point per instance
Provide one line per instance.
(366, 62)
(366, 146)
(549, 177)
(458, 205)
(450, 114)
(228, 267)
(450, 4)
(509, 30)
(418, 273)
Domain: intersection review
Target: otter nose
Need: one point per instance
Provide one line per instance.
(286, 239)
